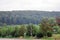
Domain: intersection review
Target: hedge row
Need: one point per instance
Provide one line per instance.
(22, 30)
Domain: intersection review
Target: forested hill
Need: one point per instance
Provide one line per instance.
(24, 17)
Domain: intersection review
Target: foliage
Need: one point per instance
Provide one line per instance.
(31, 30)
(49, 34)
(24, 17)
(39, 35)
(45, 26)
(22, 30)
(56, 29)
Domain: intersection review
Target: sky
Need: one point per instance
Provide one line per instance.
(42, 5)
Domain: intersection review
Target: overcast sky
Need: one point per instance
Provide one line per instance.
(45, 5)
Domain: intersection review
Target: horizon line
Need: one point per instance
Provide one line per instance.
(32, 10)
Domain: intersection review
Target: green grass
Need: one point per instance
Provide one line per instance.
(48, 39)
(54, 37)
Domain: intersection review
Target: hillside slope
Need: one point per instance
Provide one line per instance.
(25, 17)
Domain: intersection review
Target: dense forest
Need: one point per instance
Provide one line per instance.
(25, 17)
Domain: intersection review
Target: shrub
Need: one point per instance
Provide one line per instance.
(9, 36)
(22, 30)
(3, 31)
(31, 30)
(10, 31)
(45, 26)
(49, 34)
(39, 35)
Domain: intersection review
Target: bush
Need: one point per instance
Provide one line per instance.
(10, 31)
(3, 31)
(16, 33)
(49, 34)
(28, 34)
(22, 30)
(31, 30)
(33, 35)
(39, 35)
(9, 36)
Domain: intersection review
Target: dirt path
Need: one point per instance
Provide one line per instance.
(16, 39)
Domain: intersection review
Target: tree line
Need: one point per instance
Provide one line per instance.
(46, 28)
